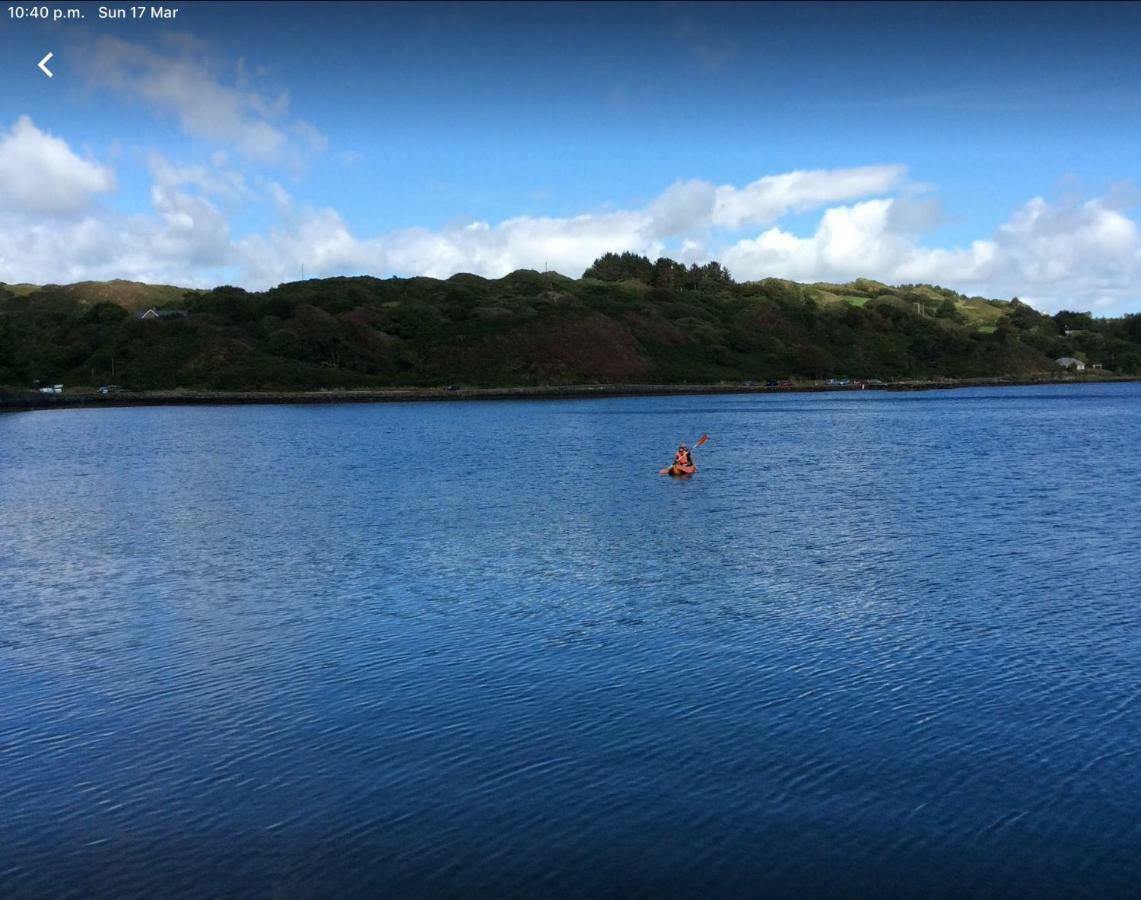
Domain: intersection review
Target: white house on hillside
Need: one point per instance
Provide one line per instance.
(1068, 362)
(162, 314)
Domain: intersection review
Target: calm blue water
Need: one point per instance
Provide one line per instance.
(879, 643)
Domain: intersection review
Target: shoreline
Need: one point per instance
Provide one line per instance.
(30, 401)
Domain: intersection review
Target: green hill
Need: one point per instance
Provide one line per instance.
(626, 321)
(131, 295)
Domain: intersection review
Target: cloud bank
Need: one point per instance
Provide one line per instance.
(871, 224)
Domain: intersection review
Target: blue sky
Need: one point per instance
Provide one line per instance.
(992, 148)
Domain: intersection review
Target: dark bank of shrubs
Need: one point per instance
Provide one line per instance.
(627, 320)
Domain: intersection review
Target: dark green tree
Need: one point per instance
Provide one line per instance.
(1073, 321)
(948, 310)
(621, 267)
(668, 274)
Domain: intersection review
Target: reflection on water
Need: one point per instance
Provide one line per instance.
(879, 642)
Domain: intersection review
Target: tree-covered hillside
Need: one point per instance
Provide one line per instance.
(627, 320)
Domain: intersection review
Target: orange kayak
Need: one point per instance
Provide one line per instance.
(678, 470)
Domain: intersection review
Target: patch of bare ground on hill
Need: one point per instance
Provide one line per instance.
(133, 296)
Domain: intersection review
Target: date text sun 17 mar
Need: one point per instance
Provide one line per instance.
(138, 12)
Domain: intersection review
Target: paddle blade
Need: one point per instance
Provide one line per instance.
(701, 440)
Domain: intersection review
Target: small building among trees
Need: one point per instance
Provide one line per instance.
(1069, 362)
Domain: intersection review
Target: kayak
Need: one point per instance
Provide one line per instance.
(678, 470)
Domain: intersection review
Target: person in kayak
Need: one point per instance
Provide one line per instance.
(683, 463)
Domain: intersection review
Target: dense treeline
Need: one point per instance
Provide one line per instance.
(627, 320)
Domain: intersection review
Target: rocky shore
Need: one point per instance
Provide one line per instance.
(14, 400)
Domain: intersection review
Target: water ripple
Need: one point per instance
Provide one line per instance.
(879, 644)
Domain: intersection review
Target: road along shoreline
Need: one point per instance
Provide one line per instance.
(14, 400)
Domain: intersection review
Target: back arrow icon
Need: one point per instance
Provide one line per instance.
(43, 65)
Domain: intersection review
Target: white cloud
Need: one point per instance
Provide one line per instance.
(185, 81)
(848, 240)
(683, 207)
(192, 232)
(687, 205)
(185, 240)
(39, 173)
(224, 184)
(768, 199)
(1085, 255)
